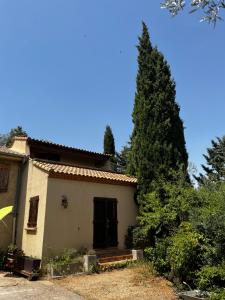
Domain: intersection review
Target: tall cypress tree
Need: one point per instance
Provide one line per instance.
(157, 141)
(109, 143)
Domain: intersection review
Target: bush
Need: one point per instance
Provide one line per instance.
(211, 277)
(209, 218)
(218, 295)
(66, 257)
(186, 254)
(129, 238)
(137, 238)
(158, 255)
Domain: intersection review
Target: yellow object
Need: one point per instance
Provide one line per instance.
(5, 211)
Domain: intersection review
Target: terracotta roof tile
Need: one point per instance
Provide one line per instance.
(57, 170)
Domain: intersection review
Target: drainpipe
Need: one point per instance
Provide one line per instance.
(17, 197)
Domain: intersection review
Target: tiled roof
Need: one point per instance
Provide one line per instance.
(9, 152)
(63, 147)
(69, 171)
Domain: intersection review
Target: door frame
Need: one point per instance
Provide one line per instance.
(114, 222)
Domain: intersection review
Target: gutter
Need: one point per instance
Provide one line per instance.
(17, 197)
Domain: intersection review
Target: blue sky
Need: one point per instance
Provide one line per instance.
(68, 68)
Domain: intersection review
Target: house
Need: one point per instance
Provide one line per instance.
(63, 197)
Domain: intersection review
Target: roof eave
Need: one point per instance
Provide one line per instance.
(67, 148)
(55, 175)
(12, 156)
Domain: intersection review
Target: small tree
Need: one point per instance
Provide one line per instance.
(215, 159)
(18, 131)
(109, 143)
(122, 159)
(3, 139)
(6, 139)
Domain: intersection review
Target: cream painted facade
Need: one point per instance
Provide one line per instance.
(31, 241)
(73, 227)
(57, 227)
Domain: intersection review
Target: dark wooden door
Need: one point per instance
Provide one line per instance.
(105, 223)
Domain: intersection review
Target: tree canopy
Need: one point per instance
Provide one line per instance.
(215, 162)
(109, 143)
(6, 139)
(157, 141)
(122, 159)
(210, 8)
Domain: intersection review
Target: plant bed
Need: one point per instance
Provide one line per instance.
(60, 270)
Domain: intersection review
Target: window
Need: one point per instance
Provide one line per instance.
(4, 178)
(33, 212)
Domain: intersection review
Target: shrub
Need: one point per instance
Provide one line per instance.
(209, 218)
(158, 255)
(137, 237)
(66, 257)
(218, 295)
(186, 253)
(211, 277)
(129, 237)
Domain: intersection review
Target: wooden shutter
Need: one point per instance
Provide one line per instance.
(33, 212)
(4, 178)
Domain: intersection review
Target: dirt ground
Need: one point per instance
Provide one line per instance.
(124, 284)
(14, 287)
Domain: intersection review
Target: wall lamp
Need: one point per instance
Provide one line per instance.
(64, 201)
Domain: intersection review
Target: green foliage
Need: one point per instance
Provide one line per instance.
(215, 162)
(157, 142)
(187, 251)
(188, 226)
(109, 143)
(218, 295)
(180, 255)
(211, 277)
(164, 209)
(3, 139)
(129, 237)
(66, 257)
(210, 8)
(6, 139)
(209, 218)
(122, 160)
(158, 255)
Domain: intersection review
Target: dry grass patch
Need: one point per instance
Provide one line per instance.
(133, 283)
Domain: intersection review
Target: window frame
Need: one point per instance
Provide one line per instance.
(6, 168)
(33, 212)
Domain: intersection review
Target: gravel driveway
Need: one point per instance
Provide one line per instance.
(18, 288)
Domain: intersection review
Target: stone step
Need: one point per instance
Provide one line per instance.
(112, 263)
(112, 252)
(113, 258)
